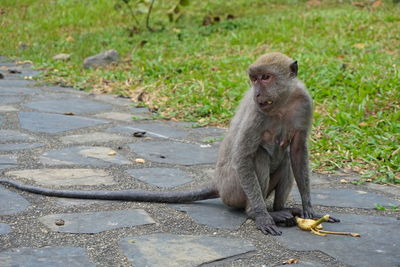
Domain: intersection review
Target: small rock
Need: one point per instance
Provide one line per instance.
(60, 222)
(14, 71)
(103, 58)
(112, 153)
(1, 76)
(69, 113)
(62, 57)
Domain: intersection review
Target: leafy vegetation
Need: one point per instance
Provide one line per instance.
(194, 68)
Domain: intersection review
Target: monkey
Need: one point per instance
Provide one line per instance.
(264, 151)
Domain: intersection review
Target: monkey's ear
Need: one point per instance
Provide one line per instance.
(293, 69)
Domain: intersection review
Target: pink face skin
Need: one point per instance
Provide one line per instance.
(260, 83)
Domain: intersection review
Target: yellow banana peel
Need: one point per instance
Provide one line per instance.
(315, 226)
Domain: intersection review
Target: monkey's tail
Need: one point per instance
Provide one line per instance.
(206, 192)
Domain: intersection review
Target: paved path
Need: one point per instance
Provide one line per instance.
(63, 138)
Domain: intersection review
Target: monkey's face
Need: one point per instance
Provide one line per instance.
(266, 87)
(272, 77)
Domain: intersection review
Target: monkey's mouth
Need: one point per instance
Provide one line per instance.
(266, 103)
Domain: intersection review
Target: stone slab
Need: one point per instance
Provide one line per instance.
(379, 244)
(83, 155)
(92, 138)
(213, 213)
(13, 136)
(54, 123)
(75, 105)
(161, 177)
(65, 177)
(181, 250)
(7, 162)
(7, 108)
(175, 152)
(45, 257)
(11, 203)
(5, 229)
(96, 222)
(22, 146)
(155, 129)
(9, 99)
(17, 88)
(346, 198)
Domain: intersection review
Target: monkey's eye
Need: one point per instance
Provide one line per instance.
(265, 77)
(253, 78)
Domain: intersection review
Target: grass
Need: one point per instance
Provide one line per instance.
(348, 58)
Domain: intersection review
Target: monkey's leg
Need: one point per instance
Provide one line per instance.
(281, 182)
(262, 169)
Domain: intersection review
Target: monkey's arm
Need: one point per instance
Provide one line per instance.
(299, 161)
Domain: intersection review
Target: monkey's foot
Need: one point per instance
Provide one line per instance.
(310, 214)
(266, 224)
(285, 217)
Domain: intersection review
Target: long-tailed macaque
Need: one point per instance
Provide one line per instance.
(264, 150)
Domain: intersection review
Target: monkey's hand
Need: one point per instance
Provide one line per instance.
(266, 224)
(309, 213)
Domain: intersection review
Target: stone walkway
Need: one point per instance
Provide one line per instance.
(63, 138)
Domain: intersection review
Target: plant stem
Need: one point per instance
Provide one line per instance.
(148, 16)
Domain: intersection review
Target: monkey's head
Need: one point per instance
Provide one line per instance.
(272, 76)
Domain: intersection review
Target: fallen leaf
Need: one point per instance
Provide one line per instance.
(112, 153)
(62, 57)
(359, 45)
(344, 181)
(313, 3)
(139, 134)
(69, 39)
(59, 222)
(23, 62)
(362, 124)
(377, 3)
(291, 261)
(358, 4)
(140, 161)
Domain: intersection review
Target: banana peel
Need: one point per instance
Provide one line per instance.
(315, 226)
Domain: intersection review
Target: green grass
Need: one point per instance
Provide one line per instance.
(349, 58)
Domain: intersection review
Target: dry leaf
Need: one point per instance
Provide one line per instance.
(112, 153)
(291, 261)
(344, 181)
(69, 39)
(358, 4)
(59, 222)
(359, 45)
(377, 3)
(313, 3)
(363, 123)
(23, 62)
(140, 161)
